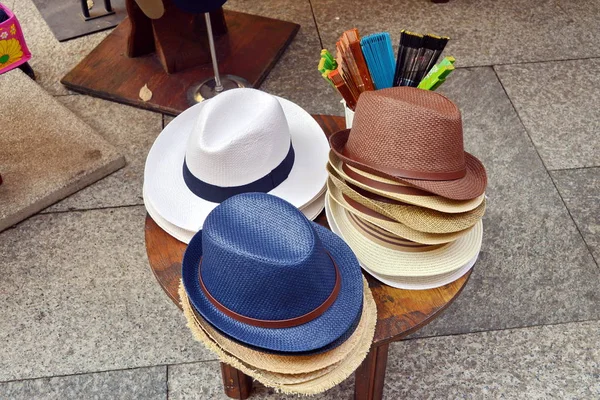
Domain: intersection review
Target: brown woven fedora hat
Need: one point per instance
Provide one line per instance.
(412, 136)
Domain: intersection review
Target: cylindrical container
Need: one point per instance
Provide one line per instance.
(349, 115)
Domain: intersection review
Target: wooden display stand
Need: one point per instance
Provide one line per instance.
(171, 54)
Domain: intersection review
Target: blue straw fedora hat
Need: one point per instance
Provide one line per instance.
(263, 274)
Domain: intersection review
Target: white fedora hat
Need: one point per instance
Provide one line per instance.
(243, 140)
(406, 282)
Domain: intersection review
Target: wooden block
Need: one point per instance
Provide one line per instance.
(250, 49)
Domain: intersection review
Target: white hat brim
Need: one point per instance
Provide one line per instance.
(407, 282)
(381, 260)
(311, 211)
(174, 202)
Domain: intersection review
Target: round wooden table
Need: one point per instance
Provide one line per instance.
(399, 312)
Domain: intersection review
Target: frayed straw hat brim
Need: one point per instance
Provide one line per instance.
(407, 282)
(321, 372)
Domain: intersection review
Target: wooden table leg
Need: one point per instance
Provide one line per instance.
(237, 385)
(370, 376)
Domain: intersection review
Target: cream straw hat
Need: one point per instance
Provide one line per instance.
(388, 255)
(415, 217)
(395, 228)
(391, 189)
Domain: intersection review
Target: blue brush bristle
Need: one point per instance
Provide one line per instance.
(379, 55)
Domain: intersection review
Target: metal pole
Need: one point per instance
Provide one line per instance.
(213, 54)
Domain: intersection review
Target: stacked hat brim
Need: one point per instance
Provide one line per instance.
(397, 191)
(169, 197)
(406, 282)
(468, 187)
(304, 374)
(403, 193)
(257, 257)
(311, 211)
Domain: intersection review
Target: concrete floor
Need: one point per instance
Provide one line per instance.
(82, 315)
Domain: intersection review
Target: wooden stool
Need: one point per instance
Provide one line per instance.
(399, 312)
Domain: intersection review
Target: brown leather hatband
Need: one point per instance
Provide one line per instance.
(338, 144)
(283, 323)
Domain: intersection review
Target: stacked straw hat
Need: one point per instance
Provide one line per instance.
(241, 141)
(402, 191)
(277, 296)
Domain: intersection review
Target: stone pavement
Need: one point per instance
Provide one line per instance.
(82, 315)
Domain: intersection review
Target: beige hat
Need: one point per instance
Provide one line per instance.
(397, 191)
(297, 374)
(406, 282)
(392, 256)
(392, 227)
(418, 218)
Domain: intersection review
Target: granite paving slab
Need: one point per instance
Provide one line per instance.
(46, 151)
(534, 267)
(139, 383)
(580, 189)
(482, 32)
(78, 296)
(51, 60)
(295, 76)
(558, 108)
(559, 361)
(550, 362)
(132, 131)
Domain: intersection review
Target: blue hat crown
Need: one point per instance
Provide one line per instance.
(263, 259)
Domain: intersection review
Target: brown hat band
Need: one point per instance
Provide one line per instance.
(365, 210)
(282, 323)
(397, 189)
(338, 142)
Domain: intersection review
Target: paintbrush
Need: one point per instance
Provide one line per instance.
(408, 50)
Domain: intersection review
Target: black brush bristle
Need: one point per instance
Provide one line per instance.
(3, 15)
(410, 39)
(442, 43)
(430, 42)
